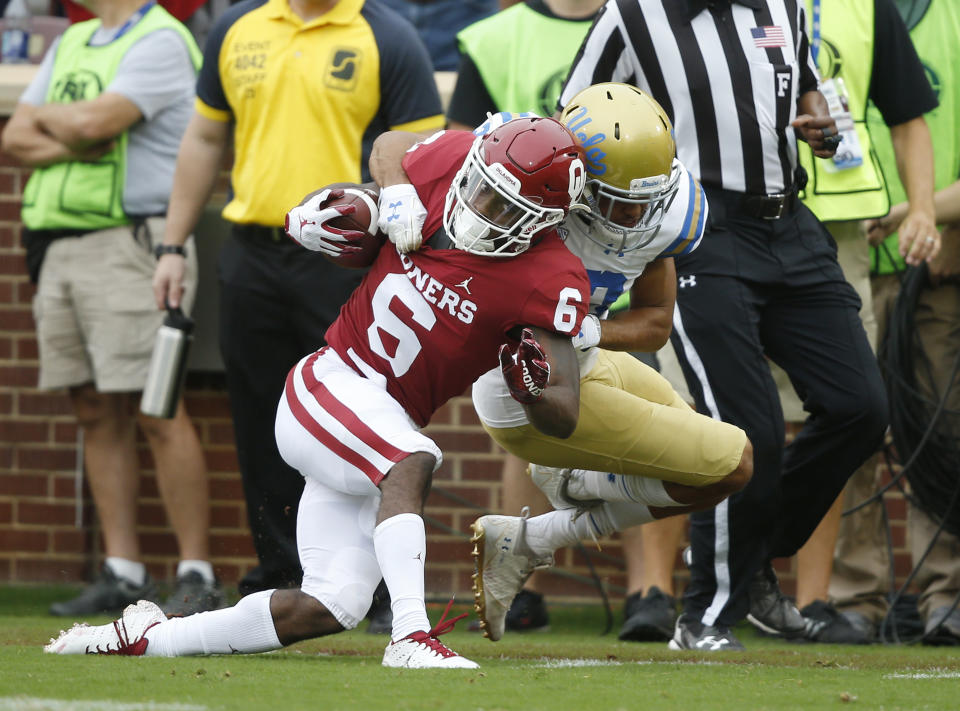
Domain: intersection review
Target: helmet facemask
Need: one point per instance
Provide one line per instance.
(654, 193)
(484, 212)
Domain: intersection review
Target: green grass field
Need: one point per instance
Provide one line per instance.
(570, 667)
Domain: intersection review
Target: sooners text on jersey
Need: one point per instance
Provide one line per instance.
(430, 322)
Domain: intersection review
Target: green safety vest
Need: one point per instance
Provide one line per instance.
(846, 51)
(523, 56)
(80, 194)
(935, 38)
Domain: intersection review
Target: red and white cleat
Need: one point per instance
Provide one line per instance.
(422, 650)
(125, 636)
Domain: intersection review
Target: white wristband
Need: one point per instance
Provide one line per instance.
(589, 335)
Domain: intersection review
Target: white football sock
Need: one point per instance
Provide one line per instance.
(557, 529)
(247, 628)
(201, 566)
(130, 570)
(586, 484)
(400, 543)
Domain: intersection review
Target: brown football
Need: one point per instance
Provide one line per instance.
(363, 220)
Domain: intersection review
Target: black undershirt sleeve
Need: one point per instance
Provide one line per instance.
(898, 84)
(470, 100)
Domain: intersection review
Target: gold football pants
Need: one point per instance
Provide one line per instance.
(633, 422)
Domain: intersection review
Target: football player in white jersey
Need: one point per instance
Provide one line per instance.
(639, 452)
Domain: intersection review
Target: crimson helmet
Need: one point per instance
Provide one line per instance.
(515, 181)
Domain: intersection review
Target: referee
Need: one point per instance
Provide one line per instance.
(737, 80)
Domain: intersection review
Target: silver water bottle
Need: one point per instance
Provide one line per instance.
(168, 365)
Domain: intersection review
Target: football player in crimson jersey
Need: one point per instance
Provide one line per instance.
(665, 459)
(417, 331)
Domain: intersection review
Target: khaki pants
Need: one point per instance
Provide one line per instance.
(861, 578)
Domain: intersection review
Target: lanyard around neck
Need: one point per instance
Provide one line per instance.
(815, 33)
(133, 20)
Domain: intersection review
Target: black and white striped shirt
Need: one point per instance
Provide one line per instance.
(727, 74)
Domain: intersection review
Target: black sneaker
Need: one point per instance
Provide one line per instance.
(650, 618)
(770, 610)
(943, 627)
(825, 624)
(527, 613)
(380, 614)
(107, 594)
(193, 594)
(692, 634)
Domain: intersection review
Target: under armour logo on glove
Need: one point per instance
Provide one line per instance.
(402, 216)
(394, 215)
(525, 371)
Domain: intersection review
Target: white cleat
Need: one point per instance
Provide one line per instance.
(126, 636)
(422, 650)
(502, 563)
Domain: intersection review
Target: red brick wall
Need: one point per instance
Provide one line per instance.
(39, 536)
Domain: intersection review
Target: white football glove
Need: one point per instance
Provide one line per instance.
(402, 216)
(589, 335)
(305, 224)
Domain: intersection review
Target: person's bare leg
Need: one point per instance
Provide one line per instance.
(182, 480)
(517, 491)
(297, 616)
(815, 559)
(111, 465)
(650, 552)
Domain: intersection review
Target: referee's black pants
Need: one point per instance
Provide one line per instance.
(276, 302)
(758, 289)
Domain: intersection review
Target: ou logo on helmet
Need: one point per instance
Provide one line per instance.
(578, 179)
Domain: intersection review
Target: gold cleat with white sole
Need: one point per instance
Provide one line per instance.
(502, 563)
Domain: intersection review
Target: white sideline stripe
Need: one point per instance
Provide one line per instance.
(570, 663)
(721, 532)
(29, 703)
(574, 663)
(935, 674)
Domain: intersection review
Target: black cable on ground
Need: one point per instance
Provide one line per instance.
(932, 454)
(918, 413)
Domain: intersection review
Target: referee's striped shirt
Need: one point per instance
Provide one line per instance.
(727, 74)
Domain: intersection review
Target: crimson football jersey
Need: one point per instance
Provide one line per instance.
(432, 321)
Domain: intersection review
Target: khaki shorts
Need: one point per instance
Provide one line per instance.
(94, 309)
(633, 422)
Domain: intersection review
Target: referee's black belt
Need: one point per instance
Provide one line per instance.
(768, 207)
(263, 233)
(761, 207)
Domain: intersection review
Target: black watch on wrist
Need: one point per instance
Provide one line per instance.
(162, 249)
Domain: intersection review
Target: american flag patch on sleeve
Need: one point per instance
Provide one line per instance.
(768, 36)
